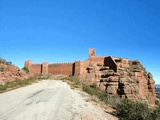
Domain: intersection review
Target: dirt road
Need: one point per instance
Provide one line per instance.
(48, 100)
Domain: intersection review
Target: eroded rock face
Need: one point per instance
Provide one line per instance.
(9, 72)
(131, 80)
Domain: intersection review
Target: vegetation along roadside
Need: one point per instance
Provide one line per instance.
(124, 109)
(10, 85)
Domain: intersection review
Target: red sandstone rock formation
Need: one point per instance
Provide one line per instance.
(128, 79)
(9, 72)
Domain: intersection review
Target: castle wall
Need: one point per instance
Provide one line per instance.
(77, 68)
(36, 69)
(95, 71)
(96, 59)
(121, 62)
(81, 67)
(84, 66)
(61, 69)
(28, 64)
(44, 68)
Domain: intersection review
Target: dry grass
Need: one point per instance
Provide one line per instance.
(10, 85)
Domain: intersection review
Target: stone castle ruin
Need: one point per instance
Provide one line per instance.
(117, 76)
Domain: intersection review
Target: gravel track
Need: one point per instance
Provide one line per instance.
(48, 100)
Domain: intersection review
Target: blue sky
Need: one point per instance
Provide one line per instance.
(63, 30)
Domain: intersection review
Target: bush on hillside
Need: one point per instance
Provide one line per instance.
(124, 108)
(155, 114)
(25, 69)
(129, 110)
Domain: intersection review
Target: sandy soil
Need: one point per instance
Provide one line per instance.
(49, 100)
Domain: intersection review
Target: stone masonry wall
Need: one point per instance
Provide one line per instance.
(60, 69)
(28, 64)
(96, 59)
(44, 68)
(77, 68)
(36, 68)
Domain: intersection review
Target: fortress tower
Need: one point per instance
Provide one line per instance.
(92, 52)
(28, 64)
(44, 68)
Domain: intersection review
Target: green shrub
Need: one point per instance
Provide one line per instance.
(76, 82)
(17, 83)
(93, 86)
(124, 109)
(2, 88)
(155, 114)
(104, 96)
(11, 84)
(128, 110)
(92, 90)
(25, 69)
(23, 82)
(1, 69)
(2, 61)
(108, 99)
(89, 89)
(8, 63)
(72, 79)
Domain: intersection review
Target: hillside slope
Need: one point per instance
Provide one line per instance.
(9, 72)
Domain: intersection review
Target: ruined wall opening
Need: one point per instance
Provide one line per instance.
(108, 61)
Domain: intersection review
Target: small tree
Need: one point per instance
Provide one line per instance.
(25, 69)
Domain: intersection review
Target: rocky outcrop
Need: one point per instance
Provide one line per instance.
(131, 80)
(9, 72)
